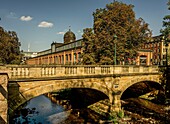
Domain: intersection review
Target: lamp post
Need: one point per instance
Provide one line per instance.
(115, 40)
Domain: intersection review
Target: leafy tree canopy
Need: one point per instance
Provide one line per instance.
(9, 47)
(115, 24)
(166, 24)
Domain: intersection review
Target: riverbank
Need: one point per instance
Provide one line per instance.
(136, 111)
(145, 112)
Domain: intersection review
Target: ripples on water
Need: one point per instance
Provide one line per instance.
(41, 111)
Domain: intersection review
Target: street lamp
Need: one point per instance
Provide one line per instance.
(115, 40)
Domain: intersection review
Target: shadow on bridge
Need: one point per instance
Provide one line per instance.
(2, 121)
(3, 92)
(4, 95)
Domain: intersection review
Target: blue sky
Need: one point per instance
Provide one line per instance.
(40, 22)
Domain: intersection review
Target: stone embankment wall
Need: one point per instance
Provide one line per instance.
(3, 98)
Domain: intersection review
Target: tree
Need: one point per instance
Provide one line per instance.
(166, 31)
(116, 19)
(166, 24)
(9, 47)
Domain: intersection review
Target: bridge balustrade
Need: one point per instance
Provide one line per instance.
(27, 71)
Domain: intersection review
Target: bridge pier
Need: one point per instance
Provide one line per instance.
(115, 102)
(3, 98)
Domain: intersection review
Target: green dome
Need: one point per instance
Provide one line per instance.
(69, 36)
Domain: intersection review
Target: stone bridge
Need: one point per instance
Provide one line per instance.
(20, 83)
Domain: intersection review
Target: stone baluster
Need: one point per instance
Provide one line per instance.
(49, 70)
(27, 72)
(46, 71)
(42, 71)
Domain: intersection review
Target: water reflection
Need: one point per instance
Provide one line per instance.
(40, 110)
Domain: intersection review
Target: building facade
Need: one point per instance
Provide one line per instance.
(69, 52)
(158, 47)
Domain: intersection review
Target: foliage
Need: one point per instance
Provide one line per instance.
(121, 113)
(117, 19)
(9, 47)
(166, 24)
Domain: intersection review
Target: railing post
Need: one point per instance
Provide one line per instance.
(35, 72)
(117, 69)
(141, 70)
(80, 70)
(131, 69)
(98, 70)
(150, 69)
(111, 70)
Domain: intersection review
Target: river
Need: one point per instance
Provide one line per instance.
(41, 110)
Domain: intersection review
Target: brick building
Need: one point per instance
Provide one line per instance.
(60, 53)
(69, 52)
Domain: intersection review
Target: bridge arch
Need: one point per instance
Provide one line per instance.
(138, 79)
(31, 89)
(55, 87)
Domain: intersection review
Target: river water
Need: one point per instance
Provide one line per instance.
(40, 110)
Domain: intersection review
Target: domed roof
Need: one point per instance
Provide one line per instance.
(69, 36)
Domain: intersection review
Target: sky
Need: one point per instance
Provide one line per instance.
(40, 22)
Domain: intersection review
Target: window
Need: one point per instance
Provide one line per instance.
(59, 59)
(62, 59)
(75, 57)
(66, 58)
(70, 57)
(79, 57)
(56, 59)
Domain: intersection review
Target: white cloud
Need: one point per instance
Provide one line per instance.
(45, 24)
(62, 33)
(26, 18)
